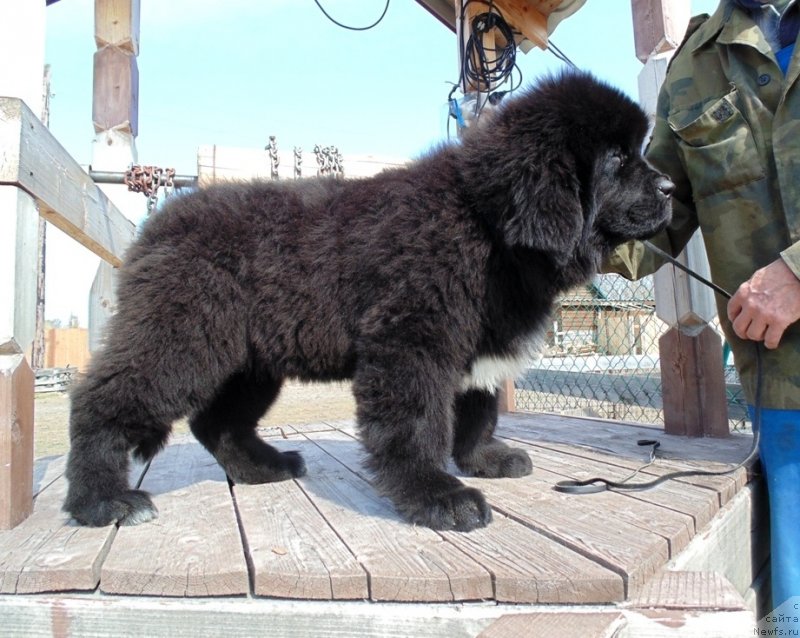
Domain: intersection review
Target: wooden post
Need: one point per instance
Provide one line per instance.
(115, 113)
(693, 383)
(22, 37)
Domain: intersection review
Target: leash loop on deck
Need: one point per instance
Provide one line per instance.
(599, 484)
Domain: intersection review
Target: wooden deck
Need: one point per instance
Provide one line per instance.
(325, 555)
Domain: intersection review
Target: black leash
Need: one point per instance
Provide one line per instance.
(598, 484)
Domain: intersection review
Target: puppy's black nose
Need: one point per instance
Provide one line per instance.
(665, 185)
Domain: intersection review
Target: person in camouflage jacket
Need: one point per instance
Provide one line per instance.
(727, 132)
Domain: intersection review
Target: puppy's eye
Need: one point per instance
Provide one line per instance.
(617, 161)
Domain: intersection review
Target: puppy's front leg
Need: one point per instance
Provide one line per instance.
(475, 449)
(404, 407)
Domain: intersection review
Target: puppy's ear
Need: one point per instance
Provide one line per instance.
(547, 216)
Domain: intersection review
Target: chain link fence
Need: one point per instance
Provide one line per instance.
(601, 357)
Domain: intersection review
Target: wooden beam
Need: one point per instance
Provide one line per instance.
(34, 161)
(525, 18)
(658, 25)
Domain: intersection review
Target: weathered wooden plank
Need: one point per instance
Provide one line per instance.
(34, 160)
(557, 625)
(632, 552)
(526, 566)
(46, 471)
(530, 568)
(681, 623)
(584, 527)
(688, 590)
(16, 440)
(404, 562)
(292, 550)
(675, 527)
(698, 503)
(71, 615)
(620, 437)
(677, 453)
(47, 553)
(193, 548)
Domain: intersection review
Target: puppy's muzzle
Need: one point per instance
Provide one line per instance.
(665, 185)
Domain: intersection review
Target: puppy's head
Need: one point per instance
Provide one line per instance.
(561, 168)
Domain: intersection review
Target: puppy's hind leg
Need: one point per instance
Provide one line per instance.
(475, 450)
(226, 426)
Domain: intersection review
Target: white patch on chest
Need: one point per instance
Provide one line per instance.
(488, 373)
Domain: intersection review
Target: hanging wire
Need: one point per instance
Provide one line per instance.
(552, 48)
(484, 68)
(346, 26)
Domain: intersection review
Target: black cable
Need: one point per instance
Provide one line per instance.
(598, 484)
(487, 68)
(667, 257)
(345, 26)
(551, 46)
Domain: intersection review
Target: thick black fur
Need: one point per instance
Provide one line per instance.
(403, 282)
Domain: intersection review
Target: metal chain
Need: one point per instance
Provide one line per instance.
(329, 161)
(147, 180)
(298, 162)
(274, 160)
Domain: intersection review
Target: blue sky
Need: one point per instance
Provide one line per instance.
(232, 73)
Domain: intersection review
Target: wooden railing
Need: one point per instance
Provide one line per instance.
(37, 177)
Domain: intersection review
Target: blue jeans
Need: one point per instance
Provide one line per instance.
(779, 449)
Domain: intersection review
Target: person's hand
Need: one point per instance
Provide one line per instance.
(766, 304)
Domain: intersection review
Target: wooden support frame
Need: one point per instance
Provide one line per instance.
(34, 161)
(38, 174)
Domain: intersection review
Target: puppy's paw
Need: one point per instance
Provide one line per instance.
(294, 464)
(461, 509)
(272, 467)
(496, 460)
(131, 507)
(514, 464)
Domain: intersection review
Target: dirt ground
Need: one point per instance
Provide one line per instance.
(298, 403)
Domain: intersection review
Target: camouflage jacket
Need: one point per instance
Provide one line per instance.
(727, 131)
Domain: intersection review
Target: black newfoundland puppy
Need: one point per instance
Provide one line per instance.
(426, 285)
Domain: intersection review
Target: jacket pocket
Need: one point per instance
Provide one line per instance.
(719, 150)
